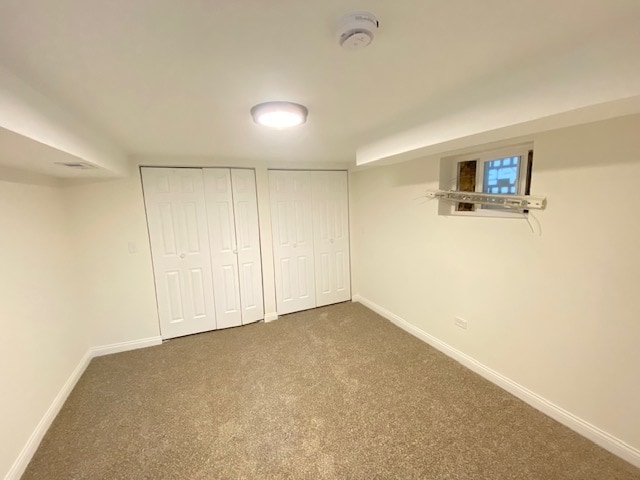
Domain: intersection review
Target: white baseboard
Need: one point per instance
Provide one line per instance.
(125, 346)
(270, 317)
(584, 428)
(20, 465)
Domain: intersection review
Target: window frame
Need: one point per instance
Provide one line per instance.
(449, 168)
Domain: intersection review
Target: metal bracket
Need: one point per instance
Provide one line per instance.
(517, 202)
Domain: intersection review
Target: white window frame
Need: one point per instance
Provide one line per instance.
(449, 179)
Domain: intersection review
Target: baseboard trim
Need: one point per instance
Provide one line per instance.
(20, 465)
(125, 346)
(270, 317)
(575, 423)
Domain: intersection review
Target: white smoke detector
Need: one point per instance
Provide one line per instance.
(357, 30)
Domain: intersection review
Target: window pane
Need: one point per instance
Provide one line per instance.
(501, 175)
(466, 183)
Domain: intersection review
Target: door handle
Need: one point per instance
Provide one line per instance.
(235, 251)
(182, 255)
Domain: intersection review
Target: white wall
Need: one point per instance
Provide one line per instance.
(44, 340)
(558, 313)
(117, 290)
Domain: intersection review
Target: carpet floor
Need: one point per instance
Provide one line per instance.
(332, 393)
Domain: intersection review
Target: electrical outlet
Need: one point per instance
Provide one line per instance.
(461, 322)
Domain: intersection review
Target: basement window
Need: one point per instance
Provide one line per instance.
(504, 171)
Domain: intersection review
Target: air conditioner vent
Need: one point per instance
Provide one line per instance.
(77, 165)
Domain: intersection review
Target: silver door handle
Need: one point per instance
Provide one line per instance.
(182, 255)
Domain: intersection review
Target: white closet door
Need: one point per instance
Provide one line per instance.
(331, 237)
(222, 241)
(176, 216)
(245, 205)
(292, 230)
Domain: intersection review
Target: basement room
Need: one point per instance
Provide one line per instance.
(320, 240)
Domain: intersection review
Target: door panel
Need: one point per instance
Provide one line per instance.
(174, 295)
(305, 289)
(222, 242)
(331, 237)
(325, 273)
(197, 289)
(176, 215)
(293, 240)
(285, 293)
(249, 289)
(245, 204)
(167, 226)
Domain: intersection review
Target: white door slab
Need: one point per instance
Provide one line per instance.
(176, 215)
(331, 236)
(245, 205)
(292, 230)
(222, 241)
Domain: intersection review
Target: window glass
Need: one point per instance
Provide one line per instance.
(501, 175)
(501, 171)
(466, 183)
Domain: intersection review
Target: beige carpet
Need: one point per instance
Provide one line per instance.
(336, 392)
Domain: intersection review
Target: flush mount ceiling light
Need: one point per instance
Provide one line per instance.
(279, 115)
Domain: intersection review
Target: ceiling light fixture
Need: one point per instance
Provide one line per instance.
(279, 115)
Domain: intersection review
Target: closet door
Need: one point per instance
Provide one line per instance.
(176, 215)
(292, 230)
(331, 237)
(222, 241)
(245, 207)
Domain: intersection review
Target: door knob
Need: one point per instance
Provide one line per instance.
(235, 251)
(182, 255)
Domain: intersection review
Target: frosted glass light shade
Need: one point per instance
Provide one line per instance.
(279, 114)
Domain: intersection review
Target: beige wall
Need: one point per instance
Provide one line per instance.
(44, 339)
(557, 313)
(117, 291)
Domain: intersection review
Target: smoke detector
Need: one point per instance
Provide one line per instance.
(357, 30)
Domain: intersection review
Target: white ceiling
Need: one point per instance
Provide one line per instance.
(165, 77)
